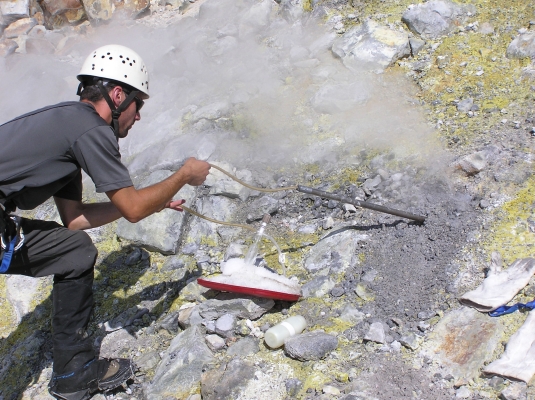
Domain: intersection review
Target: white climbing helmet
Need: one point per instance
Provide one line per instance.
(118, 63)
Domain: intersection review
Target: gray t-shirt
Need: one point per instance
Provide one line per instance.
(43, 152)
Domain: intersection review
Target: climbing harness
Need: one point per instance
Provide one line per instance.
(503, 310)
(11, 240)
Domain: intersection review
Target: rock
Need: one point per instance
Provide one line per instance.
(148, 361)
(463, 393)
(328, 223)
(462, 341)
(161, 231)
(227, 381)
(205, 232)
(376, 333)
(317, 287)
(170, 323)
(515, 391)
(39, 46)
(7, 47)
(58, 7)
(333, 98)
(474, 163)
(181, 367)
(98, 10)
(293, 386)
(522, 46)
(225, 325)
(334, 253)
(125, 319)
(331, 390)
(244, 347)
(19, 27)
(21, 291)
(351, 314)
(245, 307)
(256, 18)
(410, 341)
(465, 105)
(310, 346)
(416, 45)
(261, 206)
(13, 10)
(215, 342)
(222, 185)
(130, 8)
(435, 18)
(364, 292)
(235, 250)
(117, 343)
(371, 46)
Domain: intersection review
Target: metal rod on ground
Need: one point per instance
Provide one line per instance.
(358, 203)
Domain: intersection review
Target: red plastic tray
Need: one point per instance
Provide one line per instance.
(270, 294)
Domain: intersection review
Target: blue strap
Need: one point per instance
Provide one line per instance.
(8, 254)
(511, 309)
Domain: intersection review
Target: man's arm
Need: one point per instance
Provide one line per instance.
(77, 215)
(134, 204)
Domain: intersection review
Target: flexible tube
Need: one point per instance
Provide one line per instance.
(252, 187)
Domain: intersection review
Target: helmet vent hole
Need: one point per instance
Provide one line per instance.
(103, 56)
(126, 76)
(130, 64)
(111, 58)
(108, 54)
(124, 62)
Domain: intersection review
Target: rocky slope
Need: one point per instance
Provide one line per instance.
(424, 111)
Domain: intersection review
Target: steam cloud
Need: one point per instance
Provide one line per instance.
(238, 83)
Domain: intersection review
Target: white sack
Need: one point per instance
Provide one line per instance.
(499, 287)
(518, 361)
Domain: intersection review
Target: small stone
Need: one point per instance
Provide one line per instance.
(376, 333)
(410, 341)
(515, 391)
(328, 223)
(484, 204)
(215, 342)
(463, 393)
(331, 390)
(337, 291)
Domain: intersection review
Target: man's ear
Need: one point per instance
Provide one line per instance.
(115, 95)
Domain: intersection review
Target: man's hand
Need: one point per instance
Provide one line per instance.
(175, 205)
(197, 171)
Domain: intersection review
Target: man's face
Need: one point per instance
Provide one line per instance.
(127, 118)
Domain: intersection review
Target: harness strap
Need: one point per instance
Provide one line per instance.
(8, 255)
(503, 310)
(15, 244)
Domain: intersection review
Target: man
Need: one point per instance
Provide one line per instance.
(42, 156)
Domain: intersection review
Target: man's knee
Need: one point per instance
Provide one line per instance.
(82, 256)
(86, 249)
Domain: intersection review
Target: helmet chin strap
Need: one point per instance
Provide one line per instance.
(116, 111)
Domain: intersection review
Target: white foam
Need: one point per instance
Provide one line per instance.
(236, 272)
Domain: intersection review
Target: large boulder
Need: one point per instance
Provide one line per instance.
(58, 7)
(12, 10)
(522, 46)
(436, 18)
(371, 46)
(160, 231)
(179, 373)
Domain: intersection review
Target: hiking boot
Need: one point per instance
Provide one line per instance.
(96, 375)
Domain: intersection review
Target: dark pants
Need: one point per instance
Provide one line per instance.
(51, 249)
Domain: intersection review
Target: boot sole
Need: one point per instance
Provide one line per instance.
(117, 380)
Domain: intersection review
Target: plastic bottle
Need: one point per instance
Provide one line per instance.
(276, 335)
